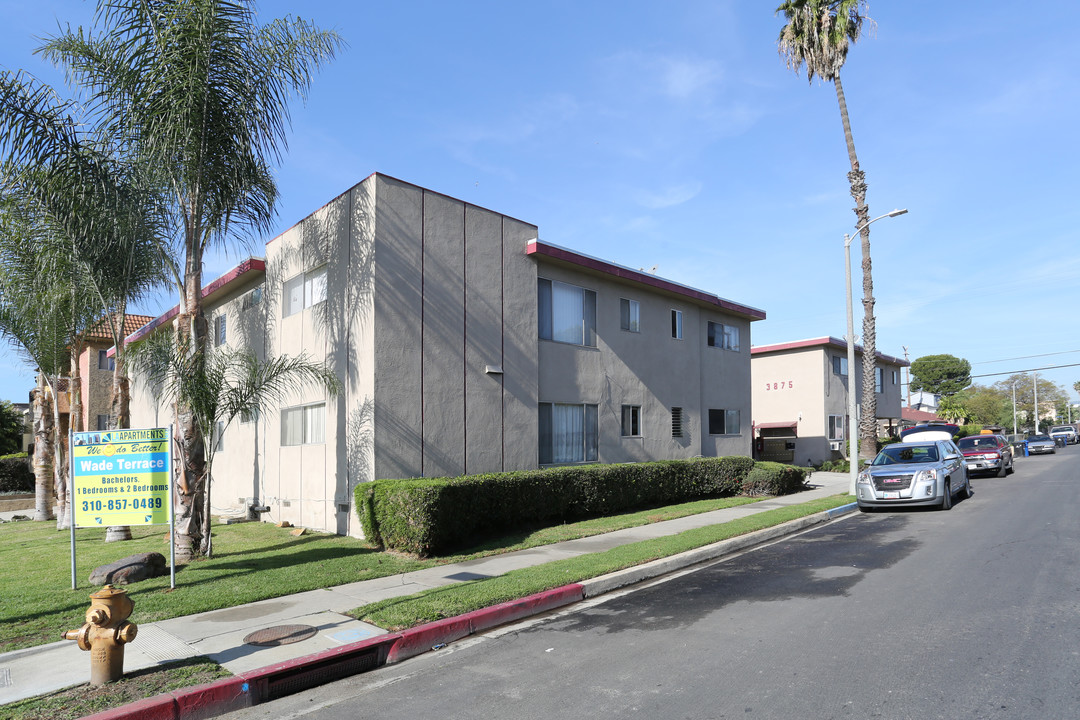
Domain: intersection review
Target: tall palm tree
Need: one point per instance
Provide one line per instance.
(817, 35)
(203, 90)
(219, 385)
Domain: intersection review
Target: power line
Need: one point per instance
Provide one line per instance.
(1027, 357)
(1017, 372)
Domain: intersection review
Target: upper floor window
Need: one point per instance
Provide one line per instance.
(304, 290)
(102, 422)
(630, 315)
(723, 336)
(219, 330)
(723, 422)
(839, 365)
(304, 425)
(253, 298)
(879, 379)
(566, 313)
(104, 362)
(676, 324)
(894, 377)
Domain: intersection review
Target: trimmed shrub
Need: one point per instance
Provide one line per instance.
(772, 478)
(15, 474)
(429, 516)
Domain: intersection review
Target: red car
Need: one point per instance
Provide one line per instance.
(987, 453)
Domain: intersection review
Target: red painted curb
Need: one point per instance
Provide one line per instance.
(420, 639)
(159, 707)
(211, 699)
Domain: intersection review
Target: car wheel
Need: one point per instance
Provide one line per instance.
(1003, 470)
(1011, 462)
(968, 490)
(946, 501)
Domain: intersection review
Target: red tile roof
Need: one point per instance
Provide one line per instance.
(132, 323)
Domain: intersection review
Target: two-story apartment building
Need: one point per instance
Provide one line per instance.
(464, 345)
(800, 398)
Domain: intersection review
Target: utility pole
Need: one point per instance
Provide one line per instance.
(908, 401)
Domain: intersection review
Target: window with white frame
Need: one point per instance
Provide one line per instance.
(569, 433)
(723, 336)
(220, 330)
(303, 425)
(631, 420)
(253, 298)
(249, 416)
(836, 427)
(629, 315)
(566, 313)
(894, 377)
(304, 290)
(219, 436)
(879, 379)
(104, 362)
(839, 365)
(676, 324)
(723, 422)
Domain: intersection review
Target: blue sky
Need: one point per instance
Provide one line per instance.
(672, 135)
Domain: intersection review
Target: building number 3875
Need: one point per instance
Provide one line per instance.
(782, 385)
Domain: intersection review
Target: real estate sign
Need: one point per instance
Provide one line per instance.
(121, 477)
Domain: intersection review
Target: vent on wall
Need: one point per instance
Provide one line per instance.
(676, 422)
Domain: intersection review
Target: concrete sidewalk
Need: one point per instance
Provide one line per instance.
(220, 634)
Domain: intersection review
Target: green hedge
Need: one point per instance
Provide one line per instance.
(15, 474)
(429, 516)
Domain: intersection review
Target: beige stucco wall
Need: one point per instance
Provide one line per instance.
(799, 385)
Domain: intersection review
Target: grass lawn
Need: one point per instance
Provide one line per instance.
(252, 561)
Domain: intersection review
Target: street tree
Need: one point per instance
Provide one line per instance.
(219, 385)
(818, 35)
(943, 375)
(12, 427)
(1049, 393)
(204, 91)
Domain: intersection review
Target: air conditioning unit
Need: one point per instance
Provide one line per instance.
(834, 445)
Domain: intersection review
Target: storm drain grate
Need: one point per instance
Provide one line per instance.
(322, 673)
(280, 635)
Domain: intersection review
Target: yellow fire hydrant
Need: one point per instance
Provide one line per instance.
(105, 633)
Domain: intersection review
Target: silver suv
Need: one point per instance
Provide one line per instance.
(914, 472)
(1068, 431)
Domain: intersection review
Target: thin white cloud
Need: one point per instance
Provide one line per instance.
(669, 196)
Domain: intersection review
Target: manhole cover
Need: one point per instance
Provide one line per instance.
(279, 635)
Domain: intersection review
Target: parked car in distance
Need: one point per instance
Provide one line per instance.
(1068, 431)
(987, 454)
(1039, 444)
(915, 471)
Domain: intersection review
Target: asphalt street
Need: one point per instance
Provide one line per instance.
(917, 613)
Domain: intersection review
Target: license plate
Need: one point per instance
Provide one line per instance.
(974, 466)
(891, 495)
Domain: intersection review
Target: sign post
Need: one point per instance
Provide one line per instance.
(122, 477)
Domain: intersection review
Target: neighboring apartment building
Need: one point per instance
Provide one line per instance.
(800, 398)
(464, 345)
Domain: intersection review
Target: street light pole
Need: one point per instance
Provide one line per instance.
(852, 428)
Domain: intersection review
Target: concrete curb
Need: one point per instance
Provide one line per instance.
(275, 681)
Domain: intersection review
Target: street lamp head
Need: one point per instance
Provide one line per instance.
(894, 213)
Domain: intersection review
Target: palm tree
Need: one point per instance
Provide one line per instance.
(219, 385)
(817, 35)
(203, 91)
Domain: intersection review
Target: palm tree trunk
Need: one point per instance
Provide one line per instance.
(43, 451)
(857, 179)
(190, 495)
(61, 468)
(120, 413)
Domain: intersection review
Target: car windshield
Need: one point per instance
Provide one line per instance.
(1037, 438)
(901, 453)
(977, 442)
(1064, 429)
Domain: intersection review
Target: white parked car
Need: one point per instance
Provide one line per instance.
(1068, 431)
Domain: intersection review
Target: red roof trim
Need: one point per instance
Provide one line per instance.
(252, 264)
(824, 341)
(536, 247)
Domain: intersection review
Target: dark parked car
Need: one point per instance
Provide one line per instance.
(1039, 444)
(987, 454)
